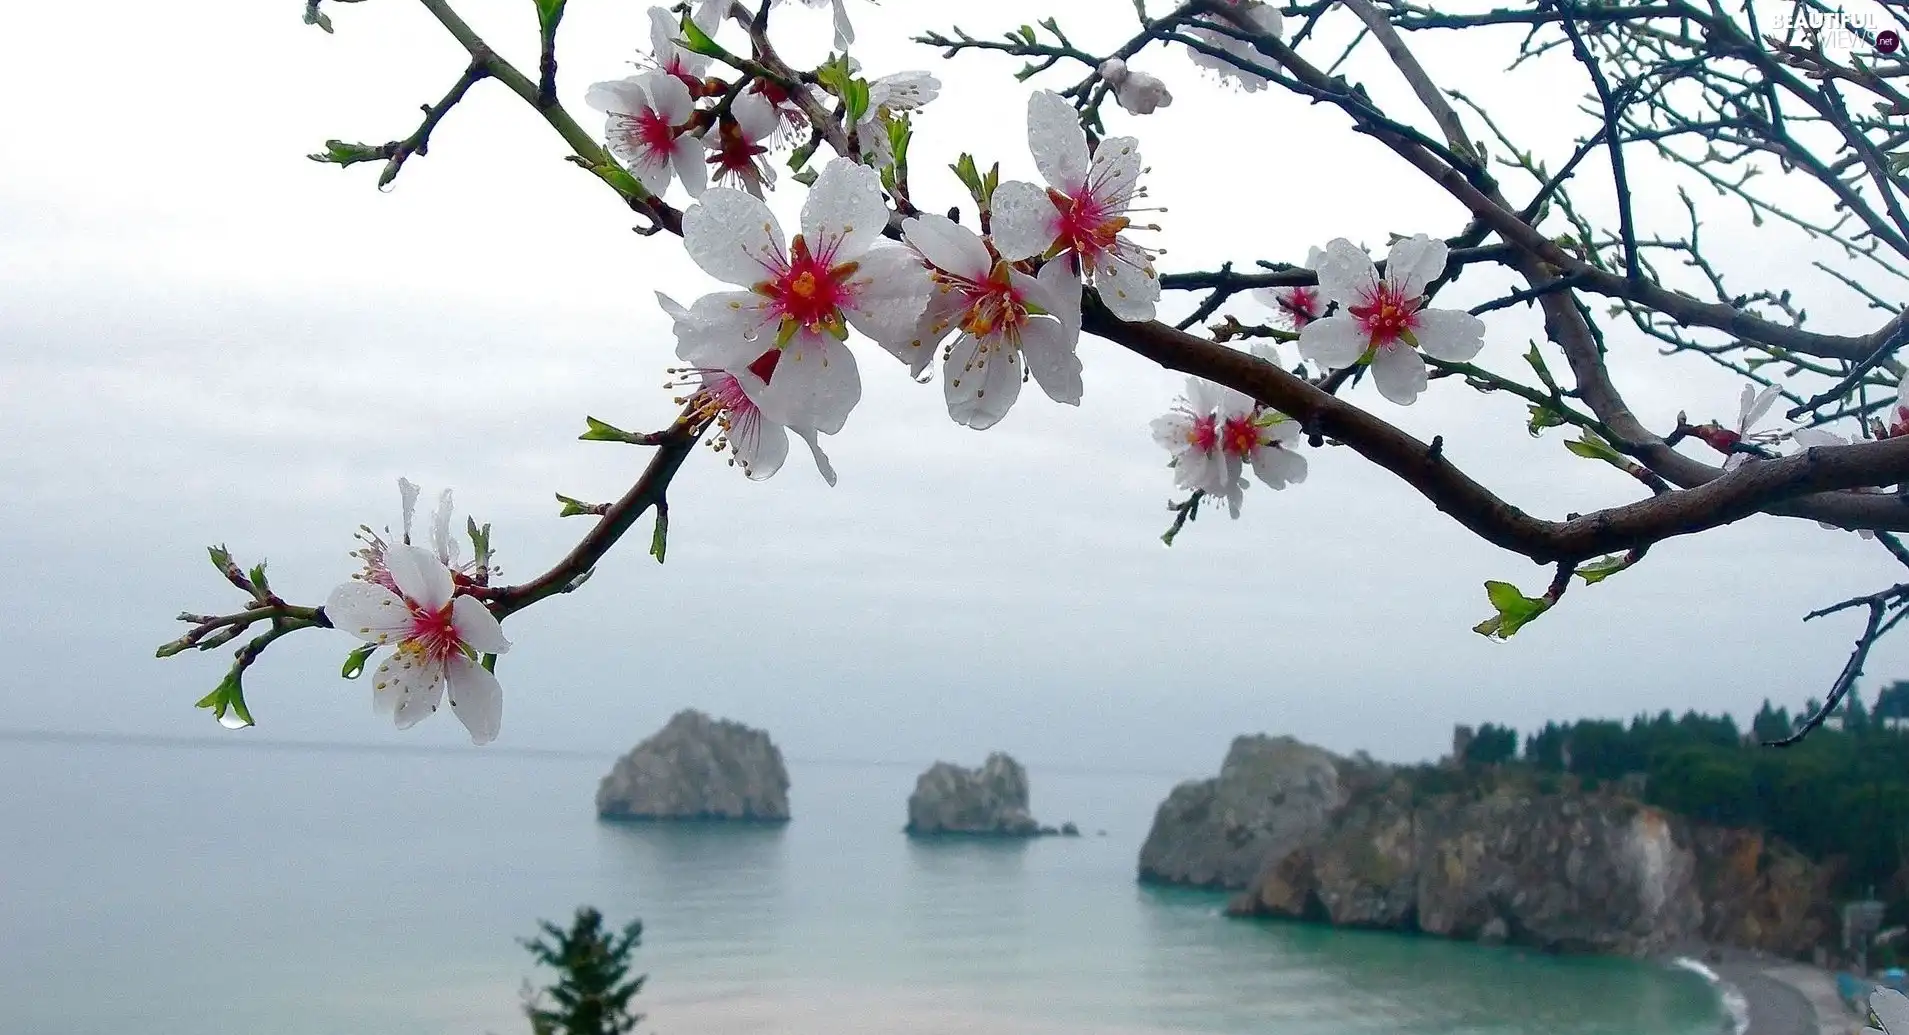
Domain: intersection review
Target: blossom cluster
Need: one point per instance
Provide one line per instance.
(1001, 306)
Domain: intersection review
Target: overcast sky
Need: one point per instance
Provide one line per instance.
(206, 337)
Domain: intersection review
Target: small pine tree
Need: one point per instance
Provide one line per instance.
(594, 988)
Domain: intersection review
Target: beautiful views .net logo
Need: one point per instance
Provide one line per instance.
(1837, 31)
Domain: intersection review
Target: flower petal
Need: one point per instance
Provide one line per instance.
(949, 246)
(844, 214)
(1399, 372)
(686, 157)
(407, 686)
(1057, 141)
(980, 385)
(1414, 263)
(1808, 438)
(619, 97)
(938, 317)
(668, 97)
(822, 463)
(734, 237)
(420, 576)
(1448, 334)
(1023, 220)
(1129, 288)
(1334, 343)
(760, 448)
(477, 699)
(1346, 273)
(815, 385)
(476, 627)
(1058, 288)
(368, 611)
(1051, 358)
(1278, 467)
(727, 330)
(1115, 171)
(887, 294)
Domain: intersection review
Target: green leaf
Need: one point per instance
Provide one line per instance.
(801, 155)
(1594, 572)
(855, 101)
(695, 40)
(806, 177)
(1593, 447)
(659, 539)
(342, 153)
(549, 13)
(573, 507)
(1537, 364)
(620, 178)
(1543, 417)
(601, 432)
(1515, 611)
(227, 702)
(221, 557)
(480, 542)
(257, 575)
(355, 661)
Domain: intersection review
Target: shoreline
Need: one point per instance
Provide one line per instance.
(1767, 995)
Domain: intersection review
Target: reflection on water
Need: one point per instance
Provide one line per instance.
(180, 891)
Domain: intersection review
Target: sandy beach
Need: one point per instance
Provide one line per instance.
(1785, 997)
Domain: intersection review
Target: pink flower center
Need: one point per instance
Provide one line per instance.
(994, 306)
(1239, 436)
(808, 291)
(735, 154)
(1301, 304)
(654, 132)
(1087, 227)
(1387, 314)
(433, 633)
(1204, 435)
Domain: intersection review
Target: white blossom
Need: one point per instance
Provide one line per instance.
(1082, 212)
(757, 444)
(800, 300)
(1191, 432)
(736, 147)
(1008, 324)
(1383, 320)
(1299, 305)
(1261, 17)
(647, 130)
(1138, 92)
(438, 635)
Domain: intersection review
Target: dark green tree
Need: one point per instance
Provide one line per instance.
(1892, 701)
(1771, 723)
(594, 988)
(1493, 745)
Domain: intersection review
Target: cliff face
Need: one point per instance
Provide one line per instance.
(1561, 871)
(698, 768)
(990, 801)
(1273, 794)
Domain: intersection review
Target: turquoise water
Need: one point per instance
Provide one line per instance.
(240, 889)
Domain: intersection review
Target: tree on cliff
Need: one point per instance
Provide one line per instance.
(594, 989)
(1316, 345)
(1492, 745)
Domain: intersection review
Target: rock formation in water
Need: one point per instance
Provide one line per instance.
(990, 801)
(698, 768)
(1485, 856)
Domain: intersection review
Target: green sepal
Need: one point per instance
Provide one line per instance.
(659, 538)
(355, 661)
(1592, 446)
(228, 698)
(1543, 417)
(1594, 572)
(1538, 365)
(343, 153)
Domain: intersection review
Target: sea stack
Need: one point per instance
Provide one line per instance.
(698, 768)
(987, 802)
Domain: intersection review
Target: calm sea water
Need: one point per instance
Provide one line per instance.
(148, 889)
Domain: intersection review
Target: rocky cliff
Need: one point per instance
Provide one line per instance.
(1309, 836)
(698, 768)
(989, 801)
